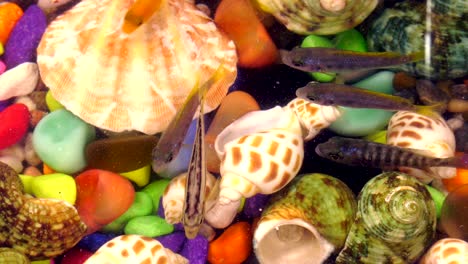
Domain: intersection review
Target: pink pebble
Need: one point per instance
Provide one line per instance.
(14, 123)
(76, 256)
(2, 67)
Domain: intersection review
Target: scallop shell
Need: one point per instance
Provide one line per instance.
(431, 135)
(311, 17)
(394, 223)
(38, 228)
(445, 251)
(306, 221)
(135, 249)
(137, 81)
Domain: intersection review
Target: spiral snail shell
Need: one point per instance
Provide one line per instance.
(394, 223)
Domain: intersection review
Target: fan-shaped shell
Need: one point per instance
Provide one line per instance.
(137, 81)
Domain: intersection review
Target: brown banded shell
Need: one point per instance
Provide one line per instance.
(317, 17)
(136, 81)
(38, 228)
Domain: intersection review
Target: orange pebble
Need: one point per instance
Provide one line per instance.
(460, 179)
(10, 13)
(46, 169)
(254, 46)
(233, 246)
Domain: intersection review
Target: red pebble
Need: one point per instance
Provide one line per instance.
(76, 256)
(102, 196)
(14, 123)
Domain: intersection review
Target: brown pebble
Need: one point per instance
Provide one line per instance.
(458, 106)
(36, 116)
(32, 171)
(459, 91)
(430, 94)
(38, 97)
(402, 81)
(444, 85)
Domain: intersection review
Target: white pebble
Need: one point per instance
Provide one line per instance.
(29, 153)
(13, 162)
(18, 81)
(50, 5)
(28, 102)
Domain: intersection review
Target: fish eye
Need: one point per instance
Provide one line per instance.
(336, 156)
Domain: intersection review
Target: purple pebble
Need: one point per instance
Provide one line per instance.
(94, 241)
(173, 241)
(254, 206)
(25, 37)
(178, 226)
(196, 250)
(4, 104)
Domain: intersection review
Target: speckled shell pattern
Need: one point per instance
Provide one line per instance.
(447, 251)
(136, 81)
(134, 249)
(173, 198)
(394, 223)
(313, 117)
(429, 134)
(309, 17)
(39, 228)
(12, 256)
(256, 158)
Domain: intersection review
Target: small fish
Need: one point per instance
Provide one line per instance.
(140, 12)
(172, 138)
(195, 185)
(335, 60)
(350, 96)
(363, 153)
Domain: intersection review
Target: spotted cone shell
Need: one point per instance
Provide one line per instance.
(136, 81)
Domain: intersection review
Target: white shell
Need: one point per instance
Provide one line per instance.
(430, 135)
(136, 81)
(18, 81)
(134, 249)
(447, 251)
(313, 117)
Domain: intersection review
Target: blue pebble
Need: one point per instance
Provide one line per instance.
(196, 250)
(173, 241)
(25, 37)
(94, 241)
(254, 205)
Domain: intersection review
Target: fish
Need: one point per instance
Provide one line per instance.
(171, 140)
(354, 97)
(336, 60)
(140, 12)
(195, 184)
(363, 153)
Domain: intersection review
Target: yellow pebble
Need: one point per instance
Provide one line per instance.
(52, 104)
(140, 176)
(27, 183)
(56, 185)
(10, 13)
(45, 261)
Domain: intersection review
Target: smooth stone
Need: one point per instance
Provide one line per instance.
(350, 40)
(57, 185)
(10, 13)
(94, 241)
(14, 124)
(174, 241)
(60, 139)
(155, 190)
(51, 103)
(149, 225)
(25, 37)
(121, 154)
(196, 250)
(142, 205)
(39, 98)
(438, 198)
(139, 176)
(313, 41)
(358, 122)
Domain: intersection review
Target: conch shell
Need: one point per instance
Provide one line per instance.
(137, 81)
(318, 17)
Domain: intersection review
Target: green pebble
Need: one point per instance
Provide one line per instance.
(313, 41)
(350, 40)
(150, 226)
(359, 122)
(155, 190)
(56, 185)
(142, 205)
(27, 183)
(60, 139)
(52, 104)
(139, 176)
(438, 198)
(378, 137)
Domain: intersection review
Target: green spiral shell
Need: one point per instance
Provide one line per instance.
(395, 221)
(441, 31)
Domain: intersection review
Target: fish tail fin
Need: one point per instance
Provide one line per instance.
(416, 56)
(431, 110)
(460, 161)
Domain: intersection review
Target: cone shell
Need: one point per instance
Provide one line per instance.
(38, 228)
(445, 251)
(394, 223)
(306, 221)
(432, 135)
(134, 249)
(310, 17)
(137, 81)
